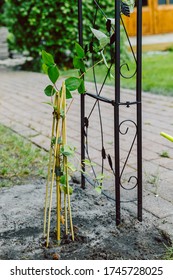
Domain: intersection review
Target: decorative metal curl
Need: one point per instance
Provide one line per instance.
(133, 54)
(132, 188)
(128, 68)
(128, 155)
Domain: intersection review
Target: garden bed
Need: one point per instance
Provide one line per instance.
(96, 236)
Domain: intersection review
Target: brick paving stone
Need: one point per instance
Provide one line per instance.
(165, 190)
(158, 206)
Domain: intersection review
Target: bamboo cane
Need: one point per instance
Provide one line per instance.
(65, 213)
(53, 170)
(58, 194)
(60, 102)
(64, 142)
(65, 160)
(48, 177)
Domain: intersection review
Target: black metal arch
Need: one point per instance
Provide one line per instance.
(117, 103)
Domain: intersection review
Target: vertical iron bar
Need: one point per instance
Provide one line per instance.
(139, 106)
(82, 99)
(116, 110)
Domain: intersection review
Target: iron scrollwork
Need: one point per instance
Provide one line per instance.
(129, 153)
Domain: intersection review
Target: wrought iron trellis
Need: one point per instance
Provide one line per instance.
(117, 104)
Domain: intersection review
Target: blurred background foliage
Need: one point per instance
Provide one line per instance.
(2, 12)
(50, 25)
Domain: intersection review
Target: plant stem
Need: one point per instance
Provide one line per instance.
(69, 105)
(91, 68)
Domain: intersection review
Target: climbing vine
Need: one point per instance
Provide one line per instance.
(60, 167)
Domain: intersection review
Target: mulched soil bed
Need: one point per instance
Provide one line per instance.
(96, 235)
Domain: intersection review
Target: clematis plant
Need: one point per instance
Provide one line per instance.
(59, 167)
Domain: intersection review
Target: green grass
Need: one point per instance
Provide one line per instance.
(169, 253)
(164, 154)
(20, 160)
(157, 74)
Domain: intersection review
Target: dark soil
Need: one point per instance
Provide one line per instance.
(96, 235)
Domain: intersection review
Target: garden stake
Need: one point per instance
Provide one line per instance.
(58, 191)
(63, 143)
(65, 164)
(54, 164)
(49, 172)
(59, 120)
(59, 150)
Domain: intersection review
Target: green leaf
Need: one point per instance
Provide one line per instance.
(64, 189)
(76, 62)
(68, 94)
(98, 34)
(104, 42)
(66, 150)
(49, 90)
(48, 103)
(131, 4)
(63, 179)
(51, 104)
(62, 113)
(79, 64)
(100, 177)
(70, 190)
(104, 59)
(53, 73)
(88, 162)
(99, 189)
(45, 68)
(85, 173)
(53, 140)
(81, 88)
(47, 58)
(71, 166)
(79, 50)
(72, 83)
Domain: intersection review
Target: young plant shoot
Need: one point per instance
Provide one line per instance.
(60, 151)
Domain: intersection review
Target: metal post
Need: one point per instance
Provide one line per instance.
(82, 99)
(116, 110)
(139, 106)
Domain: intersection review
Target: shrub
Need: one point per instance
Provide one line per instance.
(1, 12)
(50, 25)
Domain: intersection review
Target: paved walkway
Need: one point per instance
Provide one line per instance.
(156, 42)
(23, 110)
